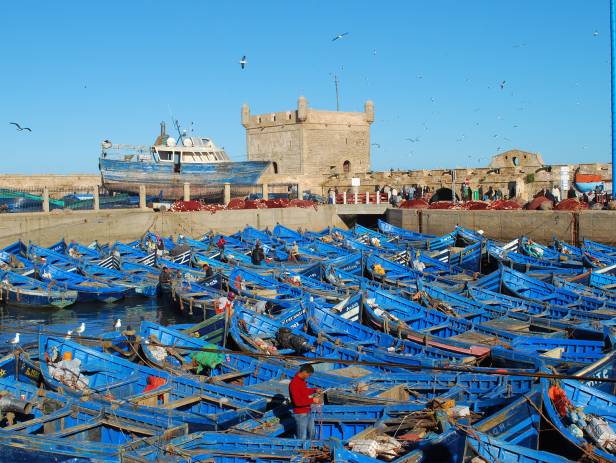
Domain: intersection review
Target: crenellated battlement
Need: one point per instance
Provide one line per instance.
(310, 142)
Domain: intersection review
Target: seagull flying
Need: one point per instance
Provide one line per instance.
(502, 84)
(81, 328)
(376, 144)
(595, 33)
(412, 140)
(118, 324)
(15, 340)
(339, 36)
(243, 62)
(20, 128)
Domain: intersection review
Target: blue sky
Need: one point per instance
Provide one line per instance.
(78, 72)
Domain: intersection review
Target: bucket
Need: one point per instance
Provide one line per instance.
(68, 356)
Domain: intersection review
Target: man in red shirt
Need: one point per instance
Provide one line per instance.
(302, 398)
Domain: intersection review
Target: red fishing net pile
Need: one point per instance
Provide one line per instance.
(476, 205)
(442, 205)
(505, 205)
(239, 204)
(415, 204)
(537, 202)
(571, 204)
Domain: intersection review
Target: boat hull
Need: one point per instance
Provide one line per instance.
(127, 176)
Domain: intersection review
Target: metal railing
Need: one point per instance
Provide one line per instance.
(21, 200)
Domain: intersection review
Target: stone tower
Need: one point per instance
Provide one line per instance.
(310, 143)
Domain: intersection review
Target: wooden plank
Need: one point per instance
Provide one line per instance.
(230, 375)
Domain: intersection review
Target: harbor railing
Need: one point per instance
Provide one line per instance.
(45, 199)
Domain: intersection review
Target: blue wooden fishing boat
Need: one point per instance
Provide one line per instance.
(568, 249)
(533, 249)
(336, 323)
(563, 434)
(87, 289)
(409, 235)
(257, 333)
(592, 292)
(579, 324)
(523, 263)
(333, 421)
(596, 259)
(466, 236)
(47, 427)
(602, 248)
(526, 287)
(237, 370)
(208, 447)
(286, 233)
(493, 450)
(605, 282)
(15, 261)
(111, 379)
(136, 284)
(76, 250)
(468, 258)
(22, 291)
(169, 163)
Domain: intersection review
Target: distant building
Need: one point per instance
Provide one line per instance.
(310, 143)
(516, 158)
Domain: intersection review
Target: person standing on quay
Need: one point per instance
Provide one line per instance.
(302, 398)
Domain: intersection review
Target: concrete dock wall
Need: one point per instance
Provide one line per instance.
(130, 224)
(541, 226)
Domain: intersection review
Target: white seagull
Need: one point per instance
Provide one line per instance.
(69, 333)
(118, 324)
(243, 62)
(339, 36)
(81, 328)
(15, 340)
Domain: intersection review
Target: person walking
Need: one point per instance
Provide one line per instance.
(302, 397)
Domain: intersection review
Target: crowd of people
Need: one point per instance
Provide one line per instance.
(396, 194)
(596, 199)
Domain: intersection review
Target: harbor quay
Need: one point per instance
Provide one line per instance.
(131, 224)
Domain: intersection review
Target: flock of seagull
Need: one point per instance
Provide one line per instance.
(77, 331)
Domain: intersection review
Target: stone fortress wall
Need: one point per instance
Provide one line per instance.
(325, 149)
(309, 145)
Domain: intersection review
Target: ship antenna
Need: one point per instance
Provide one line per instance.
(176, 123)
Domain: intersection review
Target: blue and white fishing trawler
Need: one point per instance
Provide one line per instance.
(169, 163)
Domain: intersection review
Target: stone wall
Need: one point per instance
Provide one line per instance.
(308, 142)
(49, 180)
(131, 224)
(541, 226)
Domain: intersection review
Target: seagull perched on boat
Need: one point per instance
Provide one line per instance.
(20, 128)
(81, 328)
(339, 36)
(118, 324)
(243, 62)
(69, 333)
(15, 340)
